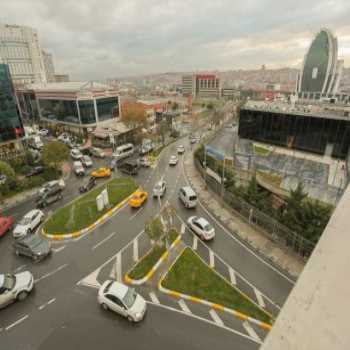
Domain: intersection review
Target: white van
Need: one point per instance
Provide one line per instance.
(188, 197)
(124, 151)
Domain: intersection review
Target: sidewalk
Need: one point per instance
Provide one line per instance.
(255, 238)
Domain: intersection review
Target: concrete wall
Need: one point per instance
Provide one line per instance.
(317, 312)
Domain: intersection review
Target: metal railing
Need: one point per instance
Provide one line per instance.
(271, 227)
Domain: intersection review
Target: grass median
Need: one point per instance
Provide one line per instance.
(83, 212)
(141, 269)
(191, 276)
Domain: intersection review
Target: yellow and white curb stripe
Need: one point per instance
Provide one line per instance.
(219, 307)
(164, 256)
(105, 217)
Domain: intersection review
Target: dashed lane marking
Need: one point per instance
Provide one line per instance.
(138, 211)
(211, 259)
(259, 298)
(104, 240)
(250, 330)
(19, 268)
(183, 228)
(135, 249)
(184, 306)
(154, 298)
(16, 322)
(216, 317)
(51, 273)
(232, 276)
(56, 250)
(195, 243)
(51, 301)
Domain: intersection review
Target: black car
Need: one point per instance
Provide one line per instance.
(88, 186)
(32, 246)
(35, 171)
(129, 167)
(53, 194)
(86, 151)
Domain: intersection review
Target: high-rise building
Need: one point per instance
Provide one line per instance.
(11, 128)
(321, 71)
(21, 50)
(49, 67)
(201, 85)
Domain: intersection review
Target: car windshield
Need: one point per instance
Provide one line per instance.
(25, 221)
(35, 241)
(130, 298)
(207, 227)
(9, 281)
(158, 187)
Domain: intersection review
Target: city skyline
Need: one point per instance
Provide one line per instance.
(100, 40)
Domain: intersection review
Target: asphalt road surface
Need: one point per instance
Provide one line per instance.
(60, 313)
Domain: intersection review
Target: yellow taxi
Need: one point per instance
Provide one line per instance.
(101, 172)
(138, 199)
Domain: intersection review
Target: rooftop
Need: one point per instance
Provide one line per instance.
(70, 86)
(312, 110)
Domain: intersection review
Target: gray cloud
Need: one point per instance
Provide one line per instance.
(95, 39)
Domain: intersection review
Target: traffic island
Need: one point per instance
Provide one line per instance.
(149, 263)
(82, 214)
(192, 279)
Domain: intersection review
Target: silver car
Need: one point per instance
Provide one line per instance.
(15, 287)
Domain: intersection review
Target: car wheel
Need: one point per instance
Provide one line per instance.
(130, 319)
(22, 295)
(104, 306)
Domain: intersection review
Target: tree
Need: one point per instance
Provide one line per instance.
(7, 170)
(210, 106)
(154, 230)
(54, 154)
(254, 195)
(134, 115)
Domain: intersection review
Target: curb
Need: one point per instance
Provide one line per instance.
(215, 306)
(150, 273)
(103, 218)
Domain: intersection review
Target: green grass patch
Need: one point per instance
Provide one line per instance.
(190, 275)
(145, 265)
(83, 212)
(262, 151)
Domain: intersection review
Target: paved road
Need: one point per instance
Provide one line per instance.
(58, 305)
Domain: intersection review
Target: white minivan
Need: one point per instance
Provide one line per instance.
(123, 151)
(188, 197)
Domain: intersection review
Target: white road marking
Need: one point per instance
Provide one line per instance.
(136, 249)
(259, 298)
(154, 298)
(237, 240)
(104, 240)
(17, 322)
(42, 306)
(56, 250)
(211, 259)
(19, 268)
(250, 330)
(204, 320)
(195, 242)
(119, 267)
(137, 212)
(51, 301)
(90, 280)
(51, 273)
(184, 306)
(216, 317)
(183, 228)
(232, 276)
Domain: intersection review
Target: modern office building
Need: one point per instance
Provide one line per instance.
(313, 128)
(72, 106)
(11, 128)
(49, 67)
(321, 70)
(201, 85)
(20, 49)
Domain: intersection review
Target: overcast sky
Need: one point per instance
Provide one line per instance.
(97, 39)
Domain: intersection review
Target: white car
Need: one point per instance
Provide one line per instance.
(43, 132)
(28, 223)
(63, 137)
(201, 227)
(78, 168)
(159, 189)
(86, 160)
(181, 149)
(173, 160)
(46, 187)
(76, 154)
(122, 299)
(15, 287)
